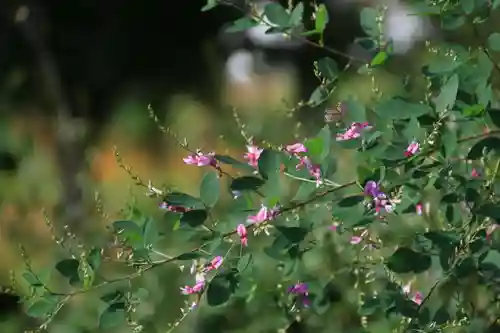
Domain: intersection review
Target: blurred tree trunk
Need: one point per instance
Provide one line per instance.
(69, 136)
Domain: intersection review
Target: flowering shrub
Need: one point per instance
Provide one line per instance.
(442, 276)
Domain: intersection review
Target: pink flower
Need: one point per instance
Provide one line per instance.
(301, 290)
(242, 232)
(200, 159)
(173, 208)
(264, 214)
(413, 148)
(296, 148)
(214, 264)
(353, 132)
(418, 297)
(355, 240)
(313, 169)
(333, 227)
(419, 209)
(253, 155)
(474, 173)
(198, 286)
(382, 204)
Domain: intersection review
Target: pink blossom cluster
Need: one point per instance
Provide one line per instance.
(201, 159)
(301, 291)
(200, 283)
(354, 131)
(263, 215)
(380, 201)
(416, 297)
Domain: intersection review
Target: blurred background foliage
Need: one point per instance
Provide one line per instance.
(113, 58)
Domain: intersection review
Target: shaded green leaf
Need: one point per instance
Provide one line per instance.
(42, 308)
(242, 24)
(94, 258)
(32, 279)
(369, 21)
(328, 68)
(225, 159)
(448, 94)
(183, 200)
(69, 269)
(218, 291)
(276, 14)
(211, 4)
(351, 201)
(115, 315)
(244, 262)
(246, 183)
(487, 144)
(194, 218)
(149, 232)
(405, 260)
(397, 108)
(210, 189)
(297, 14)
(494, 41)
(269, 163)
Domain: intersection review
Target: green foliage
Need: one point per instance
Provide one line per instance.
(406, 242)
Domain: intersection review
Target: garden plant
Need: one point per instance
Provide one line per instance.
(408, 244)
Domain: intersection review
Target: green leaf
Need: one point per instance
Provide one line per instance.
(244, 262)
(149, 232)
(218, 291)
(183, 200)
(113, 316)
(269, 163)
(351, 201)
(190, 256)
(489, 210)
(69, 269)
(225, 159)
(379, 59)
(475, 110)
(242, 24)
(369, 22)
(405, 260)
(494, 41)
(397, 108)
(297, 14)
(488, 144)
(194, 218)
(328, 68)
(305, 191)
(318, 147)
(113, 296)
(246, 183)
(276, 14)
(210, 189)
(494, 115)
(293, 234)
(94, 258)
(319, 95)
(321, 18)
(32, 279)
(468, 6)
(355, 111)
(448, 95)
(42, 308)
(211, 4)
